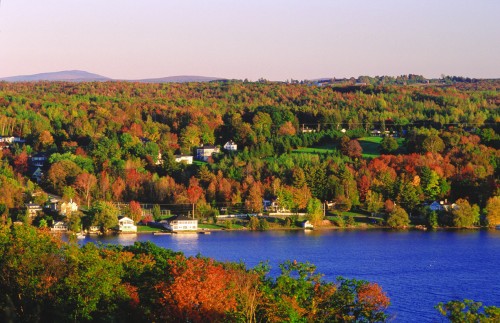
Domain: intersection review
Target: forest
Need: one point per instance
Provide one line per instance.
(301, 146)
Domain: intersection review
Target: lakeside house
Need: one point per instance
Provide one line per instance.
(206, 151)
(231, 146)
(60, 226)
(126, 225)
(184, 159)
(181, 223)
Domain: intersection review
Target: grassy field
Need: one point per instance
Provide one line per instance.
(144, 228)
(315, 150)
(218, 226)
(370, 145)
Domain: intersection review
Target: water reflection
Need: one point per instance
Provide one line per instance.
(126, 239)
(188, 242)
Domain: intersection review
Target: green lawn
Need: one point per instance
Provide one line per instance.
(210, 226)
(144, 228)
(371, 146)
(199, 163)
(315, 150)
(218, 227)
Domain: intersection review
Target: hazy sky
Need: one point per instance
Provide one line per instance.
(273, 39)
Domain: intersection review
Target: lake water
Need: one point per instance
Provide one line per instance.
(417, 269)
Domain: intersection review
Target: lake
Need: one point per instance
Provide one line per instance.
(417, 269)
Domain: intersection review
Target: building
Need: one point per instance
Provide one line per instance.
(68, 207)
(53, 204)
(33, 209)
(38, 160)
(12, 139)
(181, 223)
(231, 146)
(442, 206)
(60, 226)
(37, 174)
(184, 159)
(205, 152)
(126, 225)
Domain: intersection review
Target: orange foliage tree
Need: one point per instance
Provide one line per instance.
(201, 291)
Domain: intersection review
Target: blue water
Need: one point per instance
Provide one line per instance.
(417, 269)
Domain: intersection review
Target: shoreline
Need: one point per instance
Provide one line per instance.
(316, 229)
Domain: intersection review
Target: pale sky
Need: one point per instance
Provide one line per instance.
(273, 39)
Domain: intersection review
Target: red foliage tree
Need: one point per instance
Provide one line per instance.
(201, 291)
(135, 211)
(21, 162)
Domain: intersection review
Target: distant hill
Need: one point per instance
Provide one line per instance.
(72, 76)
(181, 79)
(83, 76)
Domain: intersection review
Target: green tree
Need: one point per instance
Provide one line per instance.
(263, 225)
(388, 144)
(465, 215)
(468, 311)
(430, 183)
(104, 214)
(493, 211)
(253, 223)
(433, 144)
(156, 212)
(398, 218)
(314, 211)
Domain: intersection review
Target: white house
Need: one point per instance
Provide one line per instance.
(68, 207)
(181, 223)
(33, 209)
(126, 225)
(205, 152)
(12, 139)
(59, 226)
(184, 159)
(231, 146)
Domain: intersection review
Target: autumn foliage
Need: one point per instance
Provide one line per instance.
(43, 278)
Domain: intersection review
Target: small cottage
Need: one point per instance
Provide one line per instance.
(60, 226)
(231, 146)
(126, 225)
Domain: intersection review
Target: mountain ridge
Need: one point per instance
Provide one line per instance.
(84, 76)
